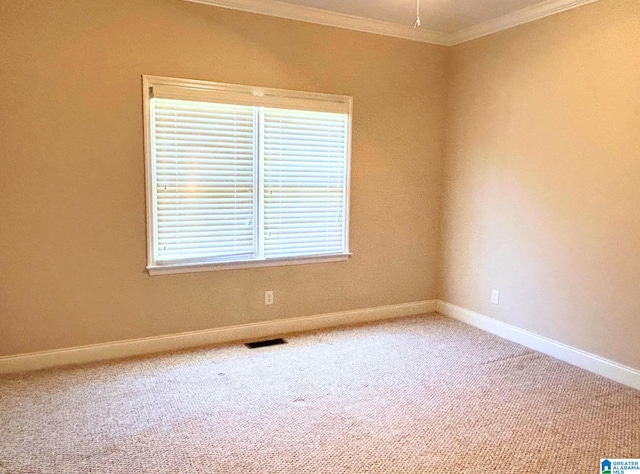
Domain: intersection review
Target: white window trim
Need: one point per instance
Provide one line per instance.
(273, 262)
(316, 101)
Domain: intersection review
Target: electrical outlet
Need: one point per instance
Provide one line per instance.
(268, 297)
(495, 297)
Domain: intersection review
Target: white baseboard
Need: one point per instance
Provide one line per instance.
(184, 340)
(585, 360)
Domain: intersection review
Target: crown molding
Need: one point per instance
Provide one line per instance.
(520, 17)
(366, 25)
(329, 18)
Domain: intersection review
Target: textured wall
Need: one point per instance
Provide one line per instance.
(72, 234)
(542, 179)
(541, 182)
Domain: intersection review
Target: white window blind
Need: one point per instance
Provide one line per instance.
(204, 180)
(237, 174)
(304, 182)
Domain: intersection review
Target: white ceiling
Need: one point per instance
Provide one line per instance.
(446, 22)
(446, 16)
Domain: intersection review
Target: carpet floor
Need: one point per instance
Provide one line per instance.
(414, 395)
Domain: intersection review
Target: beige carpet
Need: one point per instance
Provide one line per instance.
(416, 395)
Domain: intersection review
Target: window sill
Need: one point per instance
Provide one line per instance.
(211, 267)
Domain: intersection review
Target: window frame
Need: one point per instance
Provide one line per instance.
(254, 96)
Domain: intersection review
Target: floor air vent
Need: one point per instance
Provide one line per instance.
(270, 342)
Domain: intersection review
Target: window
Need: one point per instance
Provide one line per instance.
(243, 176)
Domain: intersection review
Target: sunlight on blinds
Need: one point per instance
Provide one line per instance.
(204, 179)
(304, 182)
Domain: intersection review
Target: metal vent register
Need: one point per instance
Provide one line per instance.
(268, 342)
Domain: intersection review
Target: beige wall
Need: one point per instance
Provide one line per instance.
(541, 196)
(72, 235)
(542, 179)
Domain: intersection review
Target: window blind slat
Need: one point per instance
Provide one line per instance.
(304, 182)
(204, 180)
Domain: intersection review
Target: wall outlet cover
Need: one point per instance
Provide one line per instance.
(495, 297)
